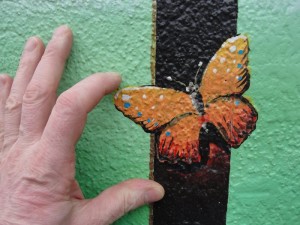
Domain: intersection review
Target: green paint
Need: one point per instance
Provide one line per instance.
(108, 36)
(264, 181)
(116, 35)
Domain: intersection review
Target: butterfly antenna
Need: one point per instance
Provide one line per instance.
(199, 67)
(176, 81)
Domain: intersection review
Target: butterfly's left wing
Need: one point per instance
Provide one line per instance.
(179, 141)
(153, 107)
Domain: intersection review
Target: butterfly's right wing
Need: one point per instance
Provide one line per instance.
(224, 81)
(153, 107)
(227, 72)
(234, 117)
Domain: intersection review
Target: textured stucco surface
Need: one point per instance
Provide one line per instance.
(108, 36)
(264, 182)
(116, 35)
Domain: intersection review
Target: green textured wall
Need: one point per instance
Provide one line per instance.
(116, 35)
(108, 36)
(265, 170)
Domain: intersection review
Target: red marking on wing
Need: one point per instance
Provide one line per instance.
(179, 141)
(234, 117)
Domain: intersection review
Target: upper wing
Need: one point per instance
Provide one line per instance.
(227, 72)
(153, 107)
(179, 141)
(234, 117)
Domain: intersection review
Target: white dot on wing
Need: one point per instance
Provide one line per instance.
(222, 59)
(161, 97)
(153, 107)
(232, 48)
(215, 70)
(144, 96)
(126, 97)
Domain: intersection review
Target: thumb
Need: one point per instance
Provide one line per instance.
(116, 201)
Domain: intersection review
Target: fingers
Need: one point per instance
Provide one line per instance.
(69, 114)
(5, 86)
(30, 58)
(40, 94)
(117, 201)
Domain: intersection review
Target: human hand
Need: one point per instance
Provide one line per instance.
(38, 133)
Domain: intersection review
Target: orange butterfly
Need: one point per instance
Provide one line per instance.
(178, 117)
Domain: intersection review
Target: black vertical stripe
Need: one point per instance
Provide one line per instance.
(187, 32)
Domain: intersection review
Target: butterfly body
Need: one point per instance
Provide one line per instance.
(178, 117)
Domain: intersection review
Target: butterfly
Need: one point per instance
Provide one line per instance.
(178, 117)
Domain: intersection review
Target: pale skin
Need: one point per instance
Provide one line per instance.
(38, 134)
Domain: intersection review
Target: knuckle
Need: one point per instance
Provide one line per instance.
(35, 93)
(25, 63)
(4, 79)
(5, 83)
(54, 50)
(130, 202)
(35, 169)
(67, 105)
(12, 104)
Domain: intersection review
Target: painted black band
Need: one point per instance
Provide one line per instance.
(188, 32)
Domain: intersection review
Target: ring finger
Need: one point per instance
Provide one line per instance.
(30, 58)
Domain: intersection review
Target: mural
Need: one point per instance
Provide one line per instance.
(178, 117)
(194, 109)
(115, 35)
(196, 128)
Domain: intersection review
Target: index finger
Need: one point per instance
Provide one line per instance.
(69, 114)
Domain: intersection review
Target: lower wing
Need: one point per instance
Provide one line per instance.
(234, 117)
(179, 141)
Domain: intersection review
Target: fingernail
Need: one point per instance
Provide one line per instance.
(154, 194)
(116, 74)
(31, 44)
(60, 31)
